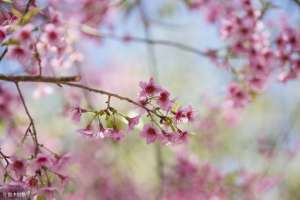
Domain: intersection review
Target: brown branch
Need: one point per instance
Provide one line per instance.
(34, 132)
(68, 82)
(45, 79)
(5, 157)
(103, 92)
(297, 2)
(109, 94)
(3, 53)
(28, 4)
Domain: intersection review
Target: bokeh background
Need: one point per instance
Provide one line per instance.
(228, 140)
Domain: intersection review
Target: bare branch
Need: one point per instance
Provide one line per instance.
(45, 79)
(34, 132)
(103, 92)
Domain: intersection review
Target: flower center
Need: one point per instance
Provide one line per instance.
(150, 89)
(18, 164)
(151, 132)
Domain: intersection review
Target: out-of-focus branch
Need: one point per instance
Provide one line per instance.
(29, 3)
(297, 2)
(91, 31)
(154, 71)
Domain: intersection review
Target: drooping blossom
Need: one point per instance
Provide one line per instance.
(24, 35)
(52, 35)
(164, 100)
(238, 96)
(149, 88)
(77, 112)
(18, 166)
(2, 34)
(20, 54)
(184, 114)
(132, 122)
(6, 102)
(113, 133)
(150, 133)
(42, 160)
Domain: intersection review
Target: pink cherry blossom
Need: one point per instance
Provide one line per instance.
(237, 95)
(114, 134)
(164, 100)
(88, 131)
(19, 167)
(149, 88)
(6, 102)
(2, 34)
(42, 160)
(150, 133)
(24, 35)
(52, 35)
(132, 122)
(184, 114)
(20, 54)
(77, 112)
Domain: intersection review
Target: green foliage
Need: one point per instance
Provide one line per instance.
(29, 15)
(7, 1)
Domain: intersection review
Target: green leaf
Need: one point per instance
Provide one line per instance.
(115, 121)
(27, 17)
(7, 1)
(41, 198)
(10, 42)
(16, 12)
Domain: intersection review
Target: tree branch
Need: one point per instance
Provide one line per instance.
(103, 92)
(297, 2)
(45, 79)
(68, 82)
(88, 30)
(109, 94)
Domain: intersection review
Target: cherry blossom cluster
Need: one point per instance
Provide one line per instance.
(42, 175)
(99, 176)
(39, 40)
(155, 103)
(252, 54)
(189, 179)
(90, 12)
(7, 101)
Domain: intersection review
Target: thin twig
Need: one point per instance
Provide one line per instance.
(5, 157)
(34, 132)
(103, 92)
(3, 53)
(28, 6)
